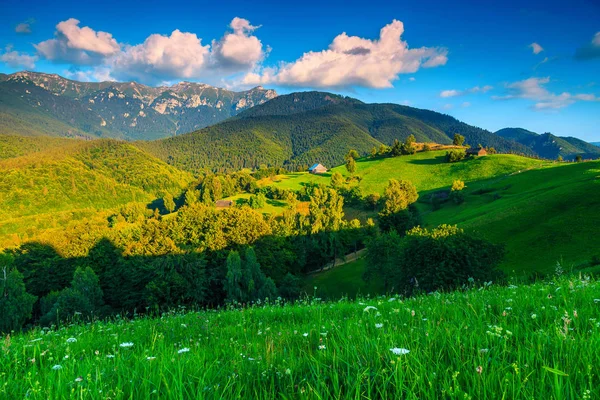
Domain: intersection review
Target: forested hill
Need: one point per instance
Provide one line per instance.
(48, 175)
(550, 146)
(307, 127)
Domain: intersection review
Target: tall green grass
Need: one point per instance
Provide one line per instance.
(539, 341)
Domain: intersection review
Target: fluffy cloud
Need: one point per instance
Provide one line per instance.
(96, 74)
(239, 50)
(533, 89)
(476, 89)
(79, 45)
(180, 55)
(590, 51)
(536, 48)
(24, 27)
(354, 61)
(14, 59)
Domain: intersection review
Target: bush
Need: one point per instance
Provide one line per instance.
(455, 155)
(445, 258)
(428, 260)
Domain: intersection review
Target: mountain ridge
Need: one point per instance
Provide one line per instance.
(322, 127)
(550, 146)
(32, 103)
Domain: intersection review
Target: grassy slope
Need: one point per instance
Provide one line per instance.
(545, 212)
(516, 336)
(345, 280)
(542, 216)
(426, 170)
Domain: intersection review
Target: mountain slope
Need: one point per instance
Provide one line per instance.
(34, 103)
(596, 144)
(550, 146)
(307, 127)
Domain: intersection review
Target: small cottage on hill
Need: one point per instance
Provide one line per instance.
(224, 203)
(317, 169)
(474, 151)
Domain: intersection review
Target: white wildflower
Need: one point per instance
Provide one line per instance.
(368, 308)
(126, 344)
(184, 350)
(150, 358)
(322, 347)
(110, 356)
(71, 340)
(378, 326)
(305, 334)
(533, 316)
(398, 351)
(57, 367)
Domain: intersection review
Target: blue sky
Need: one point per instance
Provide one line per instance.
(472, 60)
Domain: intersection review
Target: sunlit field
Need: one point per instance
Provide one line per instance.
(539, 341)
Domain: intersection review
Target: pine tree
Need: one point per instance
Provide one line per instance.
(233, 279)
(15, 303)
(169, 202)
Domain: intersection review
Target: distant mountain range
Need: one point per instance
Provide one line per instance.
(232, 130)
(307, 127)
(550, 146)
(596, 144)
(35, 103)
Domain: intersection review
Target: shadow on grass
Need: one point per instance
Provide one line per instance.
(430, 161)
(276, 203)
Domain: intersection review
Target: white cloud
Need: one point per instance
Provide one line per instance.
(79, 45)
(96, 74)
(476, 89)
(536, 48)
(447, 106)
(412, 79)
(180, 55)
(354, 61)
(449, 93)
(24, 27)
(240, 49)
(533, 89)
(14, 59)
(590, 51)
(465, 104)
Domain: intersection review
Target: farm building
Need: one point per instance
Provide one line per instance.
(476, 151)
(317, 169)
(224, 203)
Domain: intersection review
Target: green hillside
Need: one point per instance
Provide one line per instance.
(300, 129)
(543, 216)
(426, 170)
(12, 146)
(76, 177)
(540, 210)
(550, 146)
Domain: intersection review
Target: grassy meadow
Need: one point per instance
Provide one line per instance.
(539, 341)
(426, 170)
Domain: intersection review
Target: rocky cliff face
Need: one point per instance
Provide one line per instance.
(125, 110)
